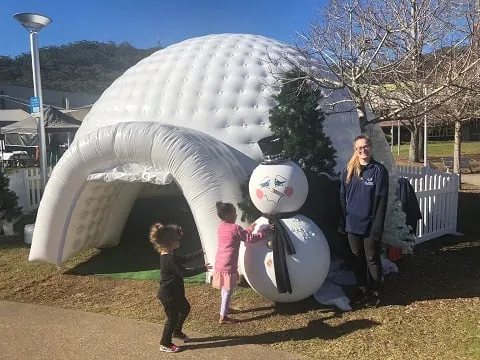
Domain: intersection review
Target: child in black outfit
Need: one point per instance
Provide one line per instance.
(171, 294)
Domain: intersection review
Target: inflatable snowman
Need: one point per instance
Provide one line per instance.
(293, 262)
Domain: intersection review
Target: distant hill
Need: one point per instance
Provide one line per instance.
(84, 66)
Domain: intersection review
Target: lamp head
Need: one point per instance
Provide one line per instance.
(32, 22)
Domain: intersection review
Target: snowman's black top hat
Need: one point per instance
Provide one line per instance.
(272, 149)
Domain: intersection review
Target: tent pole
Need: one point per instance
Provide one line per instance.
(1, 149)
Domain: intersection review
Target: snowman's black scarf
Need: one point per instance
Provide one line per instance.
(281, 244)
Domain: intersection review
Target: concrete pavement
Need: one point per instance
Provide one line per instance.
(40, 332)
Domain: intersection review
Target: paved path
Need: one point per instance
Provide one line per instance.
(42, 332)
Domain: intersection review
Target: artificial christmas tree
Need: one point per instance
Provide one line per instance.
(298, 121)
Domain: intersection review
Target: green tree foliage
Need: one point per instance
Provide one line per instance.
(249, 212)
(9, 208)
(298, 120)
(83, 66)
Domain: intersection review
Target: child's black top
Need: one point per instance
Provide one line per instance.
(172, 273)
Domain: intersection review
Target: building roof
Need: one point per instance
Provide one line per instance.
(79, 113)
(389, 123)
(54, 120)
(13, 115)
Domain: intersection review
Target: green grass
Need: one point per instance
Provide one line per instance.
(151, 275)
(471, 329)
(441, 149)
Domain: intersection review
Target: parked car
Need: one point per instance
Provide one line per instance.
(17, 158)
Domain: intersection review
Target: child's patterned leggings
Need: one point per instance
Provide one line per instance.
(226, 296)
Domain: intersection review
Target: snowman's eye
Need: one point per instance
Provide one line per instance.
(265, 184)
(279, 183)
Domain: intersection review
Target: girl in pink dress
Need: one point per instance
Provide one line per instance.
(225, 276)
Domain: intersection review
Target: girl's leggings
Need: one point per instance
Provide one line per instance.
(226, 296)
(177, 311)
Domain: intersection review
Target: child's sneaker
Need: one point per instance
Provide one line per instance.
(181, 336)
(170, 349)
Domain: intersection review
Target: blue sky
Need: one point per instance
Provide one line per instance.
(147, 23)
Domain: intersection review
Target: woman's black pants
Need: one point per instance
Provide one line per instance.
(367, 263)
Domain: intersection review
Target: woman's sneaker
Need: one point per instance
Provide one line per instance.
(359, 298)
(372, 300)
(170, 349)
(181, 336)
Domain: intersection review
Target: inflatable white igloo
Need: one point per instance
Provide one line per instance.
(185, 119)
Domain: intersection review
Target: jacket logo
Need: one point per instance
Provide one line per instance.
(369, 181)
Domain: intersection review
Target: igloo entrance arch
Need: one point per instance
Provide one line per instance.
(91, 211)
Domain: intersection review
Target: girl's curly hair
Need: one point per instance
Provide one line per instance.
(224, 209)
(163, 237)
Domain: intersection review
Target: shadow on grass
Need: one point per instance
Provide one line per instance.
(298, 307)
(124, 258)
(12, 242)
(251, 310)
(442, 268)
(315, 329)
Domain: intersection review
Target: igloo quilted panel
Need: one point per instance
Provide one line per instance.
(218, 84)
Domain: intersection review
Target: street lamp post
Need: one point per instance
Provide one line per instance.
(34, 23)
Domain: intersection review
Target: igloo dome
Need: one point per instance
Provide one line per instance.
(184, 121)
(218, 84)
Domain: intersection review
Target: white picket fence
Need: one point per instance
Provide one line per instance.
(26, 183)
(437, 194)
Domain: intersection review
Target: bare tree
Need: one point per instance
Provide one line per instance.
(464, 94)
(458, 110)
(464, 105)
(387, 54)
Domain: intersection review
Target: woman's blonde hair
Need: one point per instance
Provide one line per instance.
(164, 237)
(353, 166)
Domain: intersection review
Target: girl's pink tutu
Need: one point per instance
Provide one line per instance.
(225, 280)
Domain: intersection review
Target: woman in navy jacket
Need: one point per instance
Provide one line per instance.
(364, 197)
